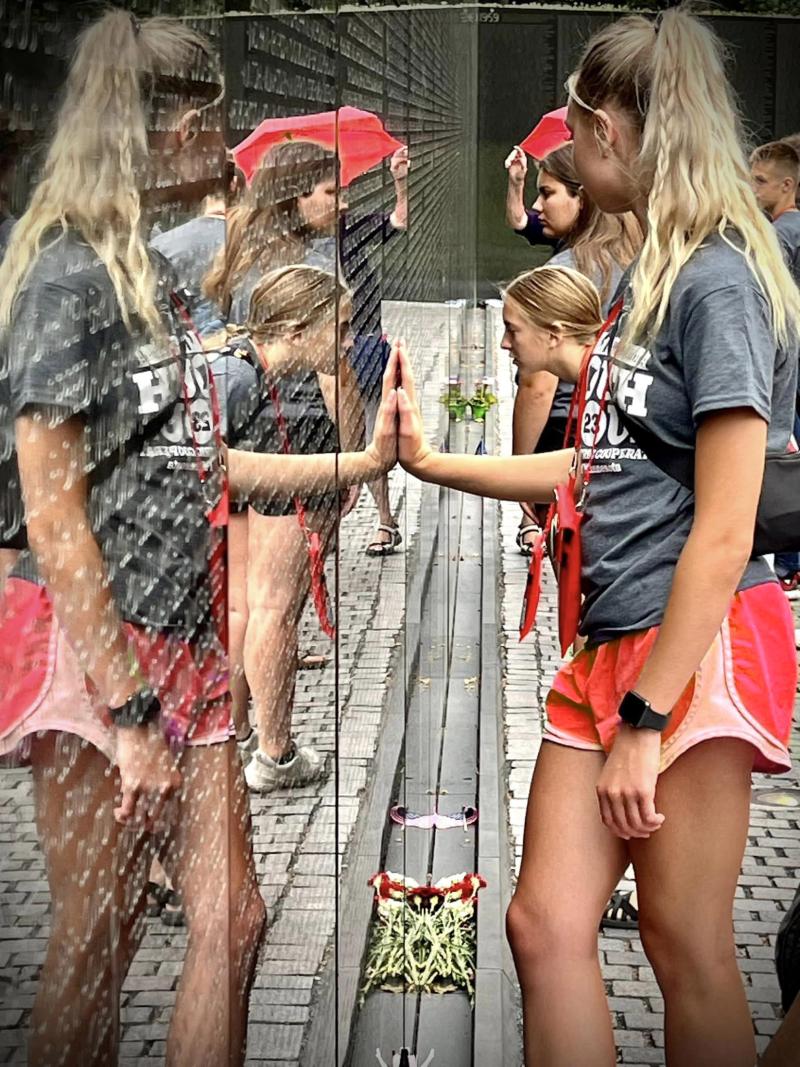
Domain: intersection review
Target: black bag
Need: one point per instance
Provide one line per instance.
(787, 954)
(777, 526)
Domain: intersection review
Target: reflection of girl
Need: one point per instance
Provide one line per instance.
(296, 212)
(599, 245)
(110, 629)
(288, 358)
(688, 679)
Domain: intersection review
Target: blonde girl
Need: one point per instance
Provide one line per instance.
(551, 316)
(295, 345)
(687, 681)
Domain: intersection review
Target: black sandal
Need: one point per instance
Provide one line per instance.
(385, 548)
(620, 913)
(526, 547)
(165, 903)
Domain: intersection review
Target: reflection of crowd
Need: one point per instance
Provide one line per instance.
(140, 440)
(300, 375)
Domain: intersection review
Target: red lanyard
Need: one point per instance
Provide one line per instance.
(217, 503)
(577, 405)
(316, 558)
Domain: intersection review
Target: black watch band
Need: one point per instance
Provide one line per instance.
(637, 712)
(143, 707)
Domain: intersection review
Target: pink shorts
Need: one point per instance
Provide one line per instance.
(42, 686)
(744, 687)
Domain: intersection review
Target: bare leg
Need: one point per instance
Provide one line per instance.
(277, 586)
(570, 864)
(212, 858)
(278, 583)
(8, 557)
(97, 876)
(686, 874)
(237, 619)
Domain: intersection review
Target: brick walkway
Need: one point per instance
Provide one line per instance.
(771, 868)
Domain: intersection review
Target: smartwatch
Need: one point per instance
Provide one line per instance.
(143, 707)
(636, 712)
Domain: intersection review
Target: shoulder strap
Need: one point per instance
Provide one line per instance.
(677, 463)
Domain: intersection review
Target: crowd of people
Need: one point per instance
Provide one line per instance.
(188, 419)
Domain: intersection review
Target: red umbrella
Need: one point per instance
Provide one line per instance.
(549, 133)
(358, 137)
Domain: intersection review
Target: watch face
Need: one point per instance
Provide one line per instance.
(635, 711)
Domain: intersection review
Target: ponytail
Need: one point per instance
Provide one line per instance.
(98, 156)
(669, 77)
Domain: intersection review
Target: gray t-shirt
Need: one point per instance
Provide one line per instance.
(714, 351)
(250, 420)
(563, 395)
(788, 227)
(152, 460)
(191, 249)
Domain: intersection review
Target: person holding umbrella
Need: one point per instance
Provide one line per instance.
(550, 133)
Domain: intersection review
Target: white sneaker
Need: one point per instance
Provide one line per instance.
(264, 774)
(247, 744)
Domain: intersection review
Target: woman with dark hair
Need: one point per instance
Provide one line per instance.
(597, 244)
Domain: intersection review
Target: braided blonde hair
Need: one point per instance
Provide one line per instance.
(98, 159)
(669, 77)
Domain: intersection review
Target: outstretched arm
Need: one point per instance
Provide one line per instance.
(254, 475)
(521, 478)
